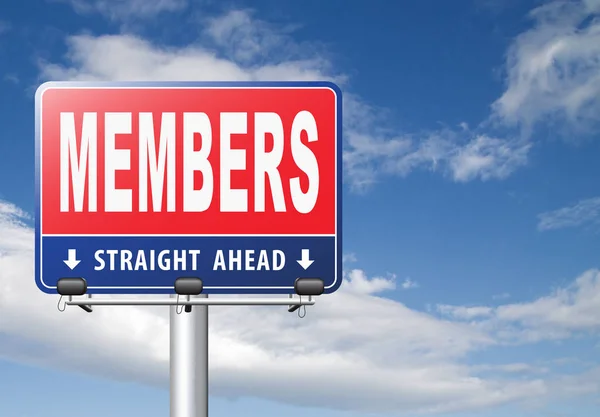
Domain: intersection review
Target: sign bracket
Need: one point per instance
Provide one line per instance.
(296, 301)
(188, 287)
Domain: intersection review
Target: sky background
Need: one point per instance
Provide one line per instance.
(471, 210)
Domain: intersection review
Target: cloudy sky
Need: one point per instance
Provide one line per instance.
(471, 210)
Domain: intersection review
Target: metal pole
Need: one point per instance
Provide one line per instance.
(307, 301)
(189, 361)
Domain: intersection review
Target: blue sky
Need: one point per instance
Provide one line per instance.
(471, 209)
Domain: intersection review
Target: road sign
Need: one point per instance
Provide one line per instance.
(237, 183)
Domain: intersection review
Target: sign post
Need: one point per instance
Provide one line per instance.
(188, 189)
(189, 362)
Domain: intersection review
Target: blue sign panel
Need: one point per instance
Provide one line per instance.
(225, 264)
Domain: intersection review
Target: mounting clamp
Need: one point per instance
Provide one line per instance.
(188, 286)
(307, 286)
(74, 286)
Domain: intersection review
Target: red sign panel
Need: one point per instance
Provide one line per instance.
(188, 161)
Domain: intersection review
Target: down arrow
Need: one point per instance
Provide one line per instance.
(305, 260)
(72, 261)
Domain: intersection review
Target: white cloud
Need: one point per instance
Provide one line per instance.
(248, 40)
(11, 78)
(581, 213)
(566, 312)
(102, 58)
(120, 10)
(249, 49)
(487, 158)
(240, 37)
(391, 357)
(408, 284)
(568, 309)
(464, 313)
(513, 368)
(357, 282)
(553, 69)
(462, 156)
(349, 258)
(553, 77)
(552, 73)
(14, 236)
